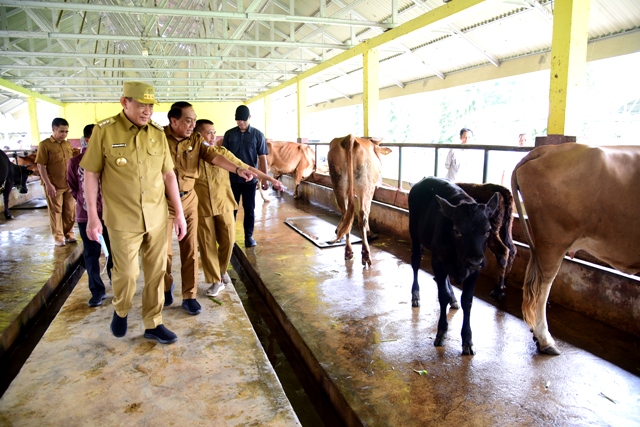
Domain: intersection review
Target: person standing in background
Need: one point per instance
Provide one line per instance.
(91, 249)
(456, 158)
(53, 155)
(129, 158)
(248, 144)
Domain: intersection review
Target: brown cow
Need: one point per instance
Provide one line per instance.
(291, 157)
(576, 197)
(30, 162)
(500, 240)
(355, 168)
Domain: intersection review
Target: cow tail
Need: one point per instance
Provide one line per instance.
(347, 219)
(533, 275)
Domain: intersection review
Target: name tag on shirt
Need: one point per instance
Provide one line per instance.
(118, 145)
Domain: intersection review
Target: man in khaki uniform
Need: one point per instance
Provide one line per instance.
(129, 157)
(187, 150)
(216, 225)
(52, 158)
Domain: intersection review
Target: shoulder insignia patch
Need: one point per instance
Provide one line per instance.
(106, 122)
(157, 125)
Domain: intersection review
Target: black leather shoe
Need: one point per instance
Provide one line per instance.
(161, 334)
(118, 325)
(168, 296)
(192, 306)
(95, 301)
(249, 242)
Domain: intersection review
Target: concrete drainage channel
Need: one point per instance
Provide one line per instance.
(307, 399)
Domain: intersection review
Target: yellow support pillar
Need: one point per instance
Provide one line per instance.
(33, 119)
(371, 92)
(301, 88)
(568, 67)
(267, 117)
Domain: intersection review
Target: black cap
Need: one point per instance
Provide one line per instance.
(242, 113)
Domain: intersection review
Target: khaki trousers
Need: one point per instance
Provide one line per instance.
(188, 247)
(215, 257)
(125, 247)
(62, 214)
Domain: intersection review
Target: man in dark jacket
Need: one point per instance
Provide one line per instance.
(248, 144)
(92, 249)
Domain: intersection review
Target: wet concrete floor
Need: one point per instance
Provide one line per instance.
(355, 328)
(79, 374)
(367, 346)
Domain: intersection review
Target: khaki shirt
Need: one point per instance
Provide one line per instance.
(186, 155)
(214, 188)
(131, 161)
(54, 156)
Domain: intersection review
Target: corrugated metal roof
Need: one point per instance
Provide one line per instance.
(213, 50)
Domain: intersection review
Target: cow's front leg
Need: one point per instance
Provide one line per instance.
(416, 257)
(5, 198)
(468, 287)
(501, 253)
(444, 299)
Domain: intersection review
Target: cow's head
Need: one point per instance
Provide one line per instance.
(20, 180)
(470, 231)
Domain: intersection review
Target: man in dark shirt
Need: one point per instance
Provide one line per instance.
(248, 144)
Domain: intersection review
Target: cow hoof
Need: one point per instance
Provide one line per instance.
(9, 216)
(500, 295)
(468, 350)
(550, 349)
(439, 341)
(348, 257)
(415, 303)
(454, 305)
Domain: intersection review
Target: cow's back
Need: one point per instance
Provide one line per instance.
(586, 198)
(286, 156)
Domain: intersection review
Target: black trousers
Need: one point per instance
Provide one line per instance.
(92, 250)
(248, 193)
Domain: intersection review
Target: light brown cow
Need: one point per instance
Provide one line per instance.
(291, 157)
(576, 197)
(355, 168)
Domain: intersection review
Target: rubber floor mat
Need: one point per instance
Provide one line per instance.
(320, 230)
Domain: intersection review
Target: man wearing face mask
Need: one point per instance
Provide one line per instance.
(187, 148)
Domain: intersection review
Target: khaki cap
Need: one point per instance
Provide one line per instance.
(141, 92)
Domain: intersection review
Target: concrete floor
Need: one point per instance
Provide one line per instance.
(79, 374)
(355, 328)
(364, 342)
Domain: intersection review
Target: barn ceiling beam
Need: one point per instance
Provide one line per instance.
(240, 16)
(19, 89)
(142, 69)
(156, 80)
(184, 40)
(22, 54)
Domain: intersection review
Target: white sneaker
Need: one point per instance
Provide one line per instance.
(215, 289)
(226, 279)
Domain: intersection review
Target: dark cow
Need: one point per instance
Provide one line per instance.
(11, 175)
(355, 168)
(575, 197)
(500, 240)
(455, 229)
(291, 157)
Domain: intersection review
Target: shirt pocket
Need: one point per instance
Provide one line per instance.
(155, 157)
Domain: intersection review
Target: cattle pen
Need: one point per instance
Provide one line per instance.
(365, 356)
